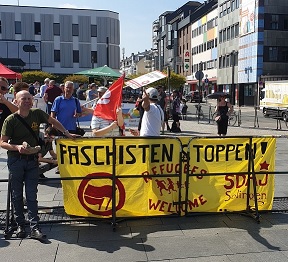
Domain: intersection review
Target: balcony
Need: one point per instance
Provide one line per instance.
(155, 26)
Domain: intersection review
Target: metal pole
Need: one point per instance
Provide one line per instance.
(169, 88)
(200, 93)
(233, 79)
(107, 51)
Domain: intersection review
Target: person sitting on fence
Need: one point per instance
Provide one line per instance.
(47, 163)
(101, 126)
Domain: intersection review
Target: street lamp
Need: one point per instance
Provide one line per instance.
(233, 77)
(107, 50)
(247, 71)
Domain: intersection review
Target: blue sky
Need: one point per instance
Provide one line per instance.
(136, 16)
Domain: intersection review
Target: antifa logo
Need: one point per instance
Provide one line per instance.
(97, 199)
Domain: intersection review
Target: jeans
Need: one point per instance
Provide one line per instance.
(24, 171)
(48, 108)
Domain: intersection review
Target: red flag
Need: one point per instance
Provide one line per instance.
(112, 98)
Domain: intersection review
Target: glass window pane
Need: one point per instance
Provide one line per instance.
(75, 30)
(17, 27)
(56, 28)
(93, 30)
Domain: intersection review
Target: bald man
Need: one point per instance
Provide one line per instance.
(22, 161)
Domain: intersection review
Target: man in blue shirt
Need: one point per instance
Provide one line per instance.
(66, 108)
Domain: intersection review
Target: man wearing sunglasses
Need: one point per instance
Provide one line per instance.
(6, 107)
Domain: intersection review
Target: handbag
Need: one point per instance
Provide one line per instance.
(79, 131)
(217, 118)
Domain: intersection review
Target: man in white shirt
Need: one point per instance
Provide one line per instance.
(153, 116)
(44, 87)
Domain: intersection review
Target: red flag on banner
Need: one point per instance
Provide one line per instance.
(112, 98)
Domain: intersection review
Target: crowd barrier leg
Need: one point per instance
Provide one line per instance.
(256, 122)
(251, 172)
(10, 225)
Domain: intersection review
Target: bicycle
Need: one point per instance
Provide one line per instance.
(231, 120)
(199, 112)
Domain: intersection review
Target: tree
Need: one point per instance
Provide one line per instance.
(176, 81)
(32, 76)
(77, 79)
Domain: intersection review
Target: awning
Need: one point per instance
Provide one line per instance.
(13, 62)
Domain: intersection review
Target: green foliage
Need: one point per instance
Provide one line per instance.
(32, 76)
(76, 79)
(60, 78)
(176, 81)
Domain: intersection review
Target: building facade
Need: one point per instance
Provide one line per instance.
(204, 49)
(58, 40)
(237, 44)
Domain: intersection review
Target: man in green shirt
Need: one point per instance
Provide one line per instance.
(23, 162)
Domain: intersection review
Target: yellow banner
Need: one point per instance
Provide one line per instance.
(228, 192)
(150, 173)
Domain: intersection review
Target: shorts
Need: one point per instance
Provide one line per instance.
(99, 123)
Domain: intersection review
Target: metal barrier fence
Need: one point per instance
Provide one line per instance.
(56, 214)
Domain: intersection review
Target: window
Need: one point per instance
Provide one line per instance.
(194, 33)
(237, 30)
(285, 54)
(228, 7)
(220, 37)
(224, 35)
(203, 28)
(221, 11)
(56, 30)
(75, 29)
(215, 42)
(224, 9)
(273, 53)
(248, 90)
(56, 55)
(75, 56)
(210, 24)
(285, 23)
(232, 5)
(228, 33)
(37, 28)
(93, 30)
(0, 28)
(232, 31)
(237, 4)
(274, 21)
(227, 61)
(17, 27)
